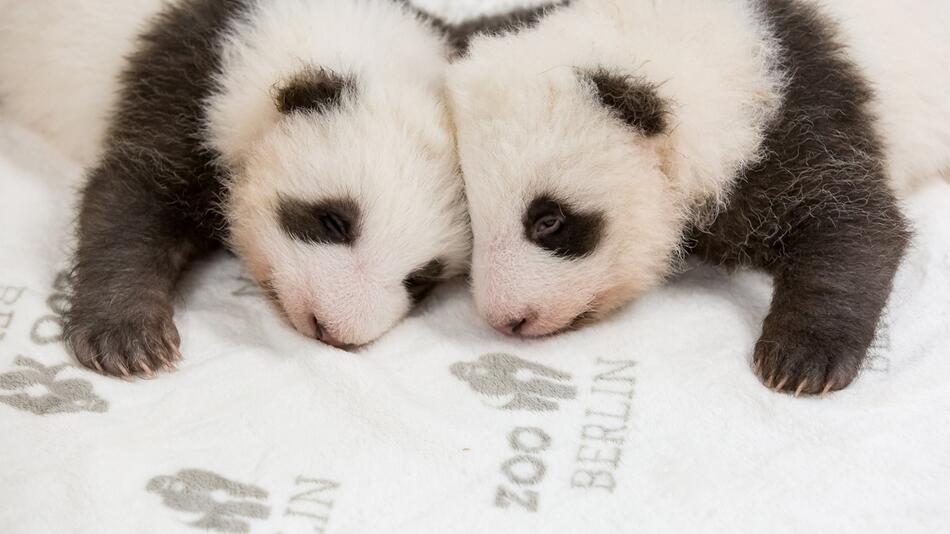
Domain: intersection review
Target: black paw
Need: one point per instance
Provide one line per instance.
(805, 364)
(133, 342)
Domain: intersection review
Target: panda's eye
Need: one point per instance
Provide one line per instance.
(327, 222)
(562, 229)
(336, 226)
(547, 225)
(420, 282)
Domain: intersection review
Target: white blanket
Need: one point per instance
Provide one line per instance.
(651, 421)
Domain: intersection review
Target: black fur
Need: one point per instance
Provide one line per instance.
(634, 100)
(460, 35)
(331, 222)
(147, 207)
(421, 281)
(817, 213)
(574, 235)
(313, 89)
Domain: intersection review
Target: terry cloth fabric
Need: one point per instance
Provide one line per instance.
(651, 421)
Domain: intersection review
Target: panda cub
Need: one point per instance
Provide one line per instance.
(311, 136)
(612, 138)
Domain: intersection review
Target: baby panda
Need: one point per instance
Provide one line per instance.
(601, 146)
(310, 136)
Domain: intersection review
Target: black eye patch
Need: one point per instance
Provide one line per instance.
(312, 89)
(420, 282)
(329, 222)
(558, 228)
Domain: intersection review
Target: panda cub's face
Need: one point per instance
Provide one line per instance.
(350, 208)
(571, 209)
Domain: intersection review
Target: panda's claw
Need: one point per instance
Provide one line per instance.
(804, 365)
(126, 344)
(146, 369)
(801, 387)
(781, 384)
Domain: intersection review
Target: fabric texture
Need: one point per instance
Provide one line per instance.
(650, 421)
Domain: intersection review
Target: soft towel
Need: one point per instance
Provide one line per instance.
(650, 421)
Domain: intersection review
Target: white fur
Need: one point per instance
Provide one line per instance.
(526, 126)
(904, 50)
(390, 147)
(58, 65)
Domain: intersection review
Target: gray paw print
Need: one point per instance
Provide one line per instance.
(527, 385)
(55, 395)
(221, 503)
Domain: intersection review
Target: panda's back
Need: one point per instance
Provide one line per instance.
(60, 63)
(904, 50)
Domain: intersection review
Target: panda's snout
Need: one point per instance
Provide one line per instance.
(533, 323)
(321, 334)
(518, 325)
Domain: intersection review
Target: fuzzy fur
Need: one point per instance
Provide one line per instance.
(195, 143)
(776, 152)
(462, 33)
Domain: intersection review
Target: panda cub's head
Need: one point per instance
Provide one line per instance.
(350, 210)
(589, 142)
(348, 204)
(570, 207)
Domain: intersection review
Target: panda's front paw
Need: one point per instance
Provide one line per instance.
(134, 340)
(806, 362)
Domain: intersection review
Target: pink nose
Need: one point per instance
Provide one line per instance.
(515, 326)
(322, 335)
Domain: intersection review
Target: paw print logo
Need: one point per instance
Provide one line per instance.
(221, 505)
(38, 389)
(525, 385)
(878, 357)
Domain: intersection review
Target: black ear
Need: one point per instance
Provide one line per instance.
(312, 89)
(634, 100)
